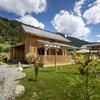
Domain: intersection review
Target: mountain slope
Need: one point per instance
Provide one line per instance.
(77, 42)
(11, 29)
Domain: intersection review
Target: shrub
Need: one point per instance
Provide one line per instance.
(0, 49)
(40, 65)
(76, 88)
(6, 49)
(1, 58)
(12, 42)
(31, 57)
(83, 87)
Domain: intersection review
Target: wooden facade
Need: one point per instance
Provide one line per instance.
(48, 54)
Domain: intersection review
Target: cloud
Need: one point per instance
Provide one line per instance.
(92, 15)
(29, 20)
(69, 24)
(98, 35)
(98, 41)
(22, 7)
(78, 6)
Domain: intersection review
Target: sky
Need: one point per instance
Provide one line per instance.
(76, 18)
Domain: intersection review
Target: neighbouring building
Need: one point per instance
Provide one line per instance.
(51, 48)
(90, 50)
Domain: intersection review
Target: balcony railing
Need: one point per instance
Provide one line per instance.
(52, 59)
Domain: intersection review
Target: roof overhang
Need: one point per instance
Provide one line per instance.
(86, 51)
(55, 44)
(94, 46)
(17, 45)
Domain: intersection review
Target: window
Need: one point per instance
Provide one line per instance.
(52, 51)
(41, 51)
(59, 52)
(51, 41)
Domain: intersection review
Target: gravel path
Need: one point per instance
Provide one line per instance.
(9, 76)
(1, 92)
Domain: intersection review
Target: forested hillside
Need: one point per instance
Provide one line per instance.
(77, 42)
(10, 30)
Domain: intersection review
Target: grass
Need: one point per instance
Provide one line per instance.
(4, 45)
(50, 84)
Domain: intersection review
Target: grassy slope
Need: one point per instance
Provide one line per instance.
(50, 83)
(4, 45)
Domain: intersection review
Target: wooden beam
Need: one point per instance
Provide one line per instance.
(46, 51)
(90, 56)
(56, 58)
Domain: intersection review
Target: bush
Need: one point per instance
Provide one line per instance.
(76, 88)
(40, 64)
(1, 58)
(12, 42)
(6, 49)
(31, 57)
(1, 49)
(82, 70)
(83, 87)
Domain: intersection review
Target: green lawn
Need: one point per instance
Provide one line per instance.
(51, 83)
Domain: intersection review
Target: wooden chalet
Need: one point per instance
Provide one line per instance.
(51, 47)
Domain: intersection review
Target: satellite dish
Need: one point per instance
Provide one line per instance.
(65, 35)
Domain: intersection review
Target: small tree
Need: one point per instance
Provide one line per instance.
(88, 83)
(36, 67)
(33, 58)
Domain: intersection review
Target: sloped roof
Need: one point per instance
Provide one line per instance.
(85, 51)
(43, 33)
(90, 45)
(94, 44)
